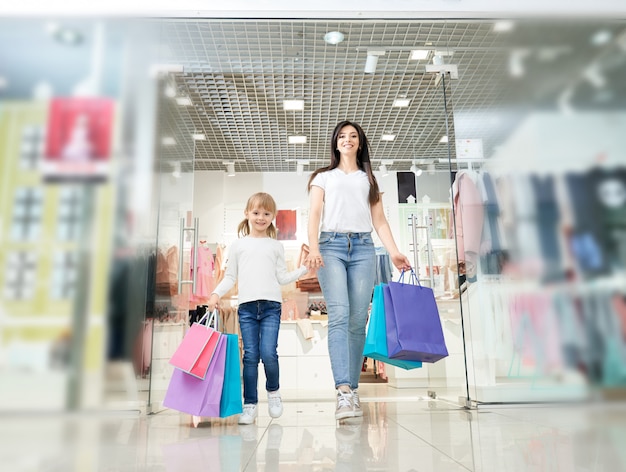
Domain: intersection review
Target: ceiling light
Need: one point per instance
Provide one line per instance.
(230, 169)
(293, 104)
(170, 91)
(594, 76)
(176, 171)
(333, 37)
(516, 62)
(388, 137)
(372, 60)
(183, 101)
(299, 168)
(444, 139)
(199, 136)
(297, 139)
(503, 26)
(168, 141)
(383, 170)
(416, 170)
(401, 102)
(419, 54)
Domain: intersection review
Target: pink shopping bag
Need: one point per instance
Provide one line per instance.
(196, 350)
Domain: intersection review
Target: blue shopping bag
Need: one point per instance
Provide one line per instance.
(376, 338)
(231, 403)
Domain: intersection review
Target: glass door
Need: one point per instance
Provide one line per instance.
(176, 235)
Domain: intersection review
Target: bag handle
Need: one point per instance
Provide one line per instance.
(211, 319)
(412, 279)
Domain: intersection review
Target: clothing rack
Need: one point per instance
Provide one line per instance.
(415, 227)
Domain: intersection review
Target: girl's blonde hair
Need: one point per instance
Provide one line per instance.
(259, 200)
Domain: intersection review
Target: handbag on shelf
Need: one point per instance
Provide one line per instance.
(376, 337)
(199, 397)
(197, 348)
(414, 331)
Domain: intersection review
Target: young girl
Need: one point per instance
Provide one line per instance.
(257, 262)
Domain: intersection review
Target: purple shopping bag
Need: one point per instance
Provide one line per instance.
(376, 337)
(414, 331)
(199, 397)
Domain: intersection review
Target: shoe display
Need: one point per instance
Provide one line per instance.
(274, 404)
(345, 406)
(356, 401)
(249, 414)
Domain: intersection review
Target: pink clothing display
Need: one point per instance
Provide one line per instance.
(469, 216)
(205, 282)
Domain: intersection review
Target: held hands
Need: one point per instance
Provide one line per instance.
(313, 261)
(214, 300)
(400, 261)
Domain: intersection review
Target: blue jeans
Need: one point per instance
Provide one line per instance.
(259, 322)
(347, 281)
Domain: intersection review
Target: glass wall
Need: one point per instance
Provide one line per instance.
(539, 198)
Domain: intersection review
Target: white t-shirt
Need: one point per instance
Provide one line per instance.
(346, 201)
(258, 264)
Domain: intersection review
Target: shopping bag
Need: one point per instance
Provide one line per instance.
(231, 403)
(199, 397)
(197, 348)
(414, 330)
(376, 337)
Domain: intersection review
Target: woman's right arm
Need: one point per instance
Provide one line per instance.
(316, 204)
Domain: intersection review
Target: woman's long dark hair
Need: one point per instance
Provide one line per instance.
(362, 159)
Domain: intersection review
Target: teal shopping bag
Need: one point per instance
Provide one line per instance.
(231, 402)
(376, 338)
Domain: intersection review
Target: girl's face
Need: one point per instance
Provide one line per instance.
(259, 220)
(348, 140)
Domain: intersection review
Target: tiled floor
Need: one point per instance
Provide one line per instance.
(402, 430)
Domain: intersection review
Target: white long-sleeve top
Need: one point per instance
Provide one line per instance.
(258, 264)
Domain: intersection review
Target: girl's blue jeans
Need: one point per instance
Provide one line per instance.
(259, 322)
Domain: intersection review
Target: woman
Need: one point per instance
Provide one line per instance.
(345, 205)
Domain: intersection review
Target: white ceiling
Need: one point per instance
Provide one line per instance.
(238, 72)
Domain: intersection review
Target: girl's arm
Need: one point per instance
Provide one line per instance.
(228, 282)
(282, 275)
(381, 225)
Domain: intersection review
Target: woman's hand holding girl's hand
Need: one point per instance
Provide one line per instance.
(313, 260)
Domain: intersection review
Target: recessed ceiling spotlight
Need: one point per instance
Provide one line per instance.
(183, 101)
(419, 54)
(388, 137)
(601, 37)
(293, 104)
(503, 26)
(334, 37)
(168, 141)
(170, 91)
(401, 102)
(199, 136)
(297, 139)
(444, 139)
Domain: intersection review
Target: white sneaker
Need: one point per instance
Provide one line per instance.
(249, 414)
(274, 404)
(345, 406)
(356, 401)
